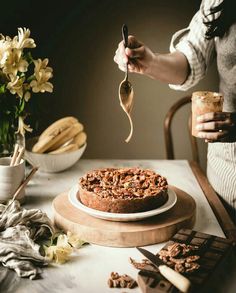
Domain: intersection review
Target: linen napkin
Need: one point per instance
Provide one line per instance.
(20, 230)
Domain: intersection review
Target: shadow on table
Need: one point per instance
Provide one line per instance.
(8, 280)
(39, 199)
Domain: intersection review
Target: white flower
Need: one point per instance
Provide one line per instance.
(42, 65)
(74, 240)
(62, 240)
(27, 96)
(15, 86)
(12, 62)
(42, 74)
(22, 40)
(64, 247)
(60, 252)
(5, 45)
(22, 127)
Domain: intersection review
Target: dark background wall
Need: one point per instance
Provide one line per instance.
(80, 38)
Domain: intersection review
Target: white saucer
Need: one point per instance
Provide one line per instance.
(172, 198)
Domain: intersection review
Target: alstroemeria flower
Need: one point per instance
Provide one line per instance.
(75, 240)
(42, 65)
(17, 78)
(22, 127)
(5, 45)
(22, 40)
(42, 74)
(12, 62)
(15, 86)
(27, 96)
(60, 252)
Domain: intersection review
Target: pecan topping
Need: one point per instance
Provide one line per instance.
(123, 182)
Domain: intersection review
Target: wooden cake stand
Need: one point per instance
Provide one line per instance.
(149, 231)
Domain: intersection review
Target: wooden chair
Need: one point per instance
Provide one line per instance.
(168, 134)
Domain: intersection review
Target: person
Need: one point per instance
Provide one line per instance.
(210, 34)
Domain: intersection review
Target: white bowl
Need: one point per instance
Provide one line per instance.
(52, 163)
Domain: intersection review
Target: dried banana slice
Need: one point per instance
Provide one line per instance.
(65, 149)
(58, 126)
(80, 139)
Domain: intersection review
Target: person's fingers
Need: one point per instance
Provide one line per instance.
(120, 60)
(115, 59)
(213, 136)
(122, 67)
(124, 55)
(133, 43)
(213, 116)
(135, 53)
(120, 56)
(214, 125)
(131, 67)
(134, 66)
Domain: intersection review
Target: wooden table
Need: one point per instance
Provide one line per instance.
(88, 271)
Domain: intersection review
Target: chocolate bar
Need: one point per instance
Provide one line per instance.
(213, 252)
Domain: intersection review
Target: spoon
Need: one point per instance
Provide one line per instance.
(126, 93)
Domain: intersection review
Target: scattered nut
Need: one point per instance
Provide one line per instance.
(121, 281)
(178, 256)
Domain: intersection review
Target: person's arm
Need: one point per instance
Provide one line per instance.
(189, 58)
(169, 68)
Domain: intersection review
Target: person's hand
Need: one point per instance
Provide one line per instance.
(217, 127)
(137, 55)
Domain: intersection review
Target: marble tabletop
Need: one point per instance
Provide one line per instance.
(89, 270)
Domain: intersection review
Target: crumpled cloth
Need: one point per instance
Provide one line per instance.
(20, 230)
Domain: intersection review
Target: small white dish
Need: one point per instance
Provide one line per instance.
(172, 198)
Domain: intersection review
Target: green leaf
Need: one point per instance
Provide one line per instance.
(20, 108)
(30, 78)
(22, 105)
(2, 88)
(28, 57)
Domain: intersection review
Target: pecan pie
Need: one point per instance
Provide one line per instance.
(123, 190)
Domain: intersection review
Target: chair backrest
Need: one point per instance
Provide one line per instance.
(168, 133)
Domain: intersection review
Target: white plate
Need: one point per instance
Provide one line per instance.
(172, 198)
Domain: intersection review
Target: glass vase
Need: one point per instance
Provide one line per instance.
(8, 138)
(9, 111)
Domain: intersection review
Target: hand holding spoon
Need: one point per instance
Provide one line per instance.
(126, 93)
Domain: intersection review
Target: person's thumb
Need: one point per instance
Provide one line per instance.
(135, 53)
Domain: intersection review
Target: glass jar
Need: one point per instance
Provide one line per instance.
(11, 107)
(204, 102)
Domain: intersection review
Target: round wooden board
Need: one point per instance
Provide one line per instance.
(152, 230)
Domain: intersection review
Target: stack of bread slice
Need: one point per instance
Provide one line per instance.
(64, 135)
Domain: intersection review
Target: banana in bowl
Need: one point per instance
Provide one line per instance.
(58, 147)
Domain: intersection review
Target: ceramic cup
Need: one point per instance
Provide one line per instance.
(10, 179)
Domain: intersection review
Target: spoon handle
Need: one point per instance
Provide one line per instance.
(125, 34)
(125, 39)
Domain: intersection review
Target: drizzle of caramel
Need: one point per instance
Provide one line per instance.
(126, 96)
